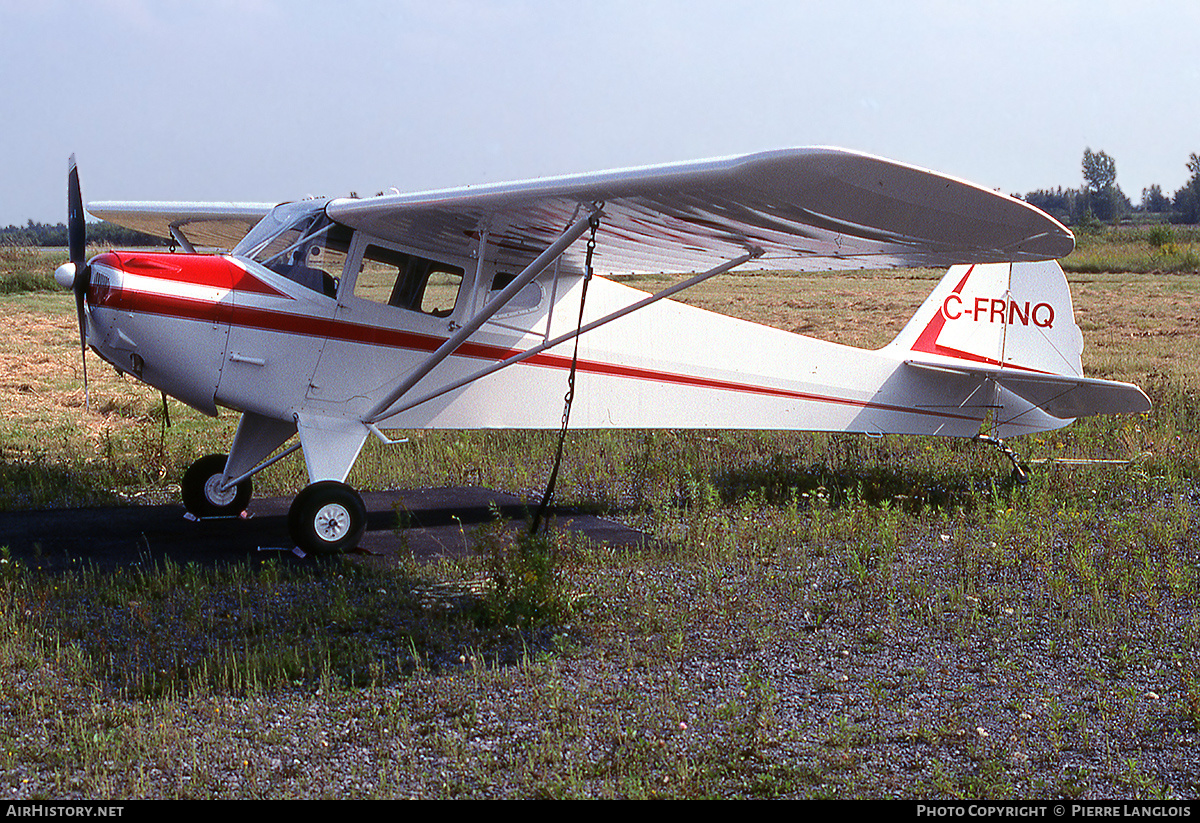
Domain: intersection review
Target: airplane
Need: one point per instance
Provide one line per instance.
(336, 319)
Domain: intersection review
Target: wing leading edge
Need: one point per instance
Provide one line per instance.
(807, 209)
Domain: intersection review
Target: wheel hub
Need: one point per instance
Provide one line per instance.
(212, 490)
(332, 522)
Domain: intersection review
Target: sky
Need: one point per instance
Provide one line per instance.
(271, 100)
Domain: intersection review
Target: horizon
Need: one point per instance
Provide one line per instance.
(271, 101)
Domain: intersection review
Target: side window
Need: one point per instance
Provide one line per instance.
(408, 282)
(526, 299)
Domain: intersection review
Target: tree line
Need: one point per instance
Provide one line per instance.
(55, 234)
(1101, 200)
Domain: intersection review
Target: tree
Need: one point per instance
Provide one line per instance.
(1099, 170)
(1154, 201)
(1187, 199)
(1104, 199)
(1058, 203)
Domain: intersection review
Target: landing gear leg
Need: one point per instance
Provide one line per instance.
(1019, 474)
(202, 494)
(327, 517)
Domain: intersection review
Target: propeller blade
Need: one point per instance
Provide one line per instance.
(87, 399)
(77, 245)
(76, 231)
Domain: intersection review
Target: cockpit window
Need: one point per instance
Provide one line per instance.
(299, 242)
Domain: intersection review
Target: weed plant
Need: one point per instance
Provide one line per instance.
(525, 577)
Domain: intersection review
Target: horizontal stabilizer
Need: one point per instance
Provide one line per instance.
(1063, 396)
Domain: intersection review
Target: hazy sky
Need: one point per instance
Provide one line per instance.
(268, 100)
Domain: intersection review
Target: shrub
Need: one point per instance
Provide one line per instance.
(1160, 235)
(525, 570)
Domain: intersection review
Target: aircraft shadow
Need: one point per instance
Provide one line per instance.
(422, 523)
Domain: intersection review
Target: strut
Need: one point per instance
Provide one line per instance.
(595, 324)
(572, 233)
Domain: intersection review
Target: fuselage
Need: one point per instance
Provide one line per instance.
(218, 330)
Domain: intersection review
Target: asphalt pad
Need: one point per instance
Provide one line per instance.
(420, 524)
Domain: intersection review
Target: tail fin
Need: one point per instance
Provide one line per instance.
(1014, 315)
(1012, 325)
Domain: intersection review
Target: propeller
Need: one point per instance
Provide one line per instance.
(77, 274)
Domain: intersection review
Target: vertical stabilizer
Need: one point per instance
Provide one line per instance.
(1013, 316)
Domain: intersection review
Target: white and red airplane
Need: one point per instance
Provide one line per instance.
(336, 319)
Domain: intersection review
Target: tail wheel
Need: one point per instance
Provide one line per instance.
(327, 517)
(202, 493)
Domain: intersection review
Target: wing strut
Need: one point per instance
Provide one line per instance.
(573, 233)
(538, 349)
(181, 239)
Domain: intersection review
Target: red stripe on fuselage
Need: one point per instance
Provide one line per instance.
(306, 325)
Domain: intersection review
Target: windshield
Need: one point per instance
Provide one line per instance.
(283, 226)
(298, 241)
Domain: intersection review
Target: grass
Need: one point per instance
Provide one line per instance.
(160, 629)
(1158, 248)
(28, 268)
(819, 615)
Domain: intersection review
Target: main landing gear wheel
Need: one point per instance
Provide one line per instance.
(202, 495)
(327, 517)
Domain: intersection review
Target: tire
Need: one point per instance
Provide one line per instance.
(201, 489)
(327, 517)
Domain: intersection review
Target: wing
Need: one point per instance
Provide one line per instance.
(219, 225)
(806, 209)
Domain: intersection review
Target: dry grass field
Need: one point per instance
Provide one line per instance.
(1157, 311)
(815, 617)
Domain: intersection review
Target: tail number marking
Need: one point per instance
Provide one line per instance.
(996, 310)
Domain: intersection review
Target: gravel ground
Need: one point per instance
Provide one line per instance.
(680, 683)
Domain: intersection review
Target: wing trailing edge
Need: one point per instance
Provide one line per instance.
(806, 209)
